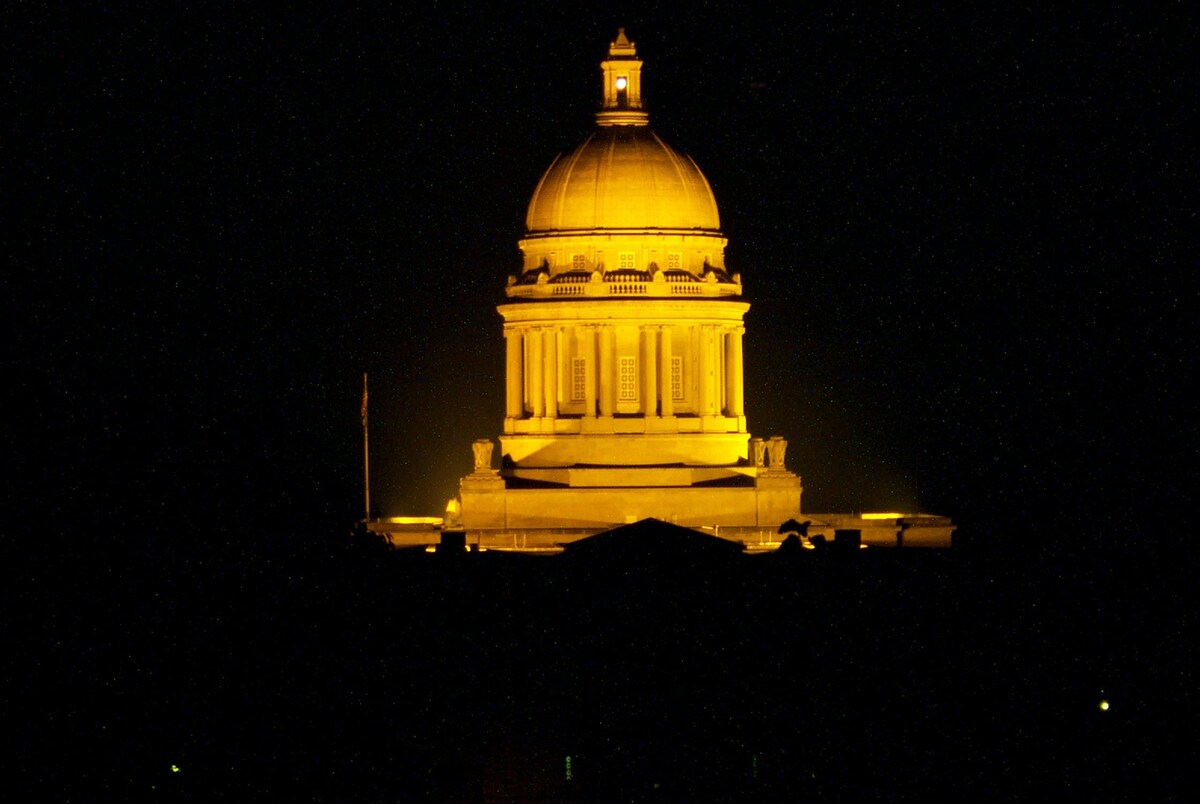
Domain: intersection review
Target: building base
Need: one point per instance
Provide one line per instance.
(753, 499)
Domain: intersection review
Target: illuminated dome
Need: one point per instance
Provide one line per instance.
(623, 359)
(623, 177)
(624, 205)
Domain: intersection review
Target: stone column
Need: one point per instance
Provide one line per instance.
(537, 394)
(704, 362)
(649, 375)
(589, 381)
(734, 397)
(718, 352)
(664, 351)
(514, 405)
(550, 371)
(607, 391)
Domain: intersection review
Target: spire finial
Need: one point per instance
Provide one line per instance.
(621, 45)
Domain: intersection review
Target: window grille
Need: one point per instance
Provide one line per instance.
(677, 378)
(578, 379)
(627, 386)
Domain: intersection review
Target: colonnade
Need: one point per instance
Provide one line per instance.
(542, 359)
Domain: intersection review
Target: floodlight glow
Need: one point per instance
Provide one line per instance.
(882, 516)
(622, 82)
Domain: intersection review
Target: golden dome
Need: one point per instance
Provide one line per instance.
(624, 201)
(623, 177)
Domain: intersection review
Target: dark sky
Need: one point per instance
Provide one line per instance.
(961, 233)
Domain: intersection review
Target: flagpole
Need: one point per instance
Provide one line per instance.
(366, 455)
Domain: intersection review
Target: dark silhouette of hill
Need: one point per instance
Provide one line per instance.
(340, 668)
(651, 541)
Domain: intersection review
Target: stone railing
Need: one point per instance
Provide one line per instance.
(626, 288)
(574, 288)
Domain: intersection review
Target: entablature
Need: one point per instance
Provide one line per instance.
(601, 312)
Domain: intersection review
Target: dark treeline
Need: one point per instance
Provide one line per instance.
(343, 669)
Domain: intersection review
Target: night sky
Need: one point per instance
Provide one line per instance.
(960, 233)
(965, 239)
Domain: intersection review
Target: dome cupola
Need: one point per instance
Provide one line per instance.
(622, 78)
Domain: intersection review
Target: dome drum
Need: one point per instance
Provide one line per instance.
(689, 250)
(624, 283)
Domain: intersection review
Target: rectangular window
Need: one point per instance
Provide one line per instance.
(674, 261)
(578, 263)
(626, 260)
(677, 378)
(627, 387)
(578, 379)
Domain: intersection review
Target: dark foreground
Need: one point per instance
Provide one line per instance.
(347, 672)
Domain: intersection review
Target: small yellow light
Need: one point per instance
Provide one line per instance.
(1104, 706)
(622, 82)
(414, 520)
(174, 769)
(888, 515)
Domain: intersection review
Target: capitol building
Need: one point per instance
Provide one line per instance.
(624, 340)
